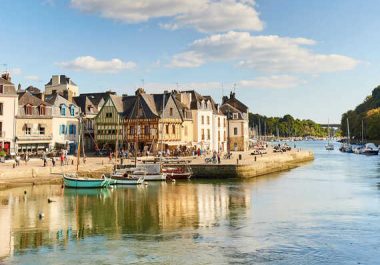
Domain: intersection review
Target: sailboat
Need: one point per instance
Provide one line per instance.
(72, 180)
(346, 147)
(329, 146)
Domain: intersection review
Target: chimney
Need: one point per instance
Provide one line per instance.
(232, 95)
(224, 99)
(65, 94)
(55, 80)
(6, 76)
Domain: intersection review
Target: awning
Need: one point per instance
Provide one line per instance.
(176, 143)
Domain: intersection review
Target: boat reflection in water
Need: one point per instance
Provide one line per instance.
(78, 214)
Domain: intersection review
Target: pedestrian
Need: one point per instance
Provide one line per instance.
(110, 157)
(45, 161)
(218, 158)
(26, 158)
(62, 158)
(84, 159)
(53, 161)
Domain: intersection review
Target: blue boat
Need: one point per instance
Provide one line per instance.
(73, 181)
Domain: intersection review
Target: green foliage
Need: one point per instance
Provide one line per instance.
(366, 113)
(287, 126)
(2, 153)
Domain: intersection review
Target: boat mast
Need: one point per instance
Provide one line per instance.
(79, 141)
(362, 132)
(348, 132)
(117, 139)
(328, 131)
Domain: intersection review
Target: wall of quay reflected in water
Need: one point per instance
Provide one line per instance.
(77, 214)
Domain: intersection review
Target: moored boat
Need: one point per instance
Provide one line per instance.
(126, 177)
(370, 149)
(73, 181)
(152, 172)
(177, 172)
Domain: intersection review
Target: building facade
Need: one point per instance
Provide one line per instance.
(33, 125)
(8, 112)
(65, 118)
(237, 123)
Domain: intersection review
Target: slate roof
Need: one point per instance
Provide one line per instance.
(118, 102)
(235, 103)
(8, 87)
(33, 90)
(28, 98)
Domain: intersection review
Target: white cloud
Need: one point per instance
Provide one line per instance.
(271, 82)
(262, 82)
(203, 15)
(89, 63)
(15, 71)
(34, 78)
(263, 53)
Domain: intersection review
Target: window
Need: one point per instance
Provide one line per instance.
(42, 110)
(41, 130)
(72, 129)
(109, 115)
(1, 108)
(146, 130)
(72, 110)
(132, 130)
(1, 89)
(167, 129)
(203, 134)
(28, 109)
(173, 129)
(218, 136)
(62, 129)
(235, 116)
(203, 120)
(63, 110)
(218, 121)
(28, 130)
(208, 119)
(208, 134)
(235, 131)
(171, 111)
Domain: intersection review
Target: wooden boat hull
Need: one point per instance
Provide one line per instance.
(127, 180)
(155, 177)
(179, 175)
(84, 183)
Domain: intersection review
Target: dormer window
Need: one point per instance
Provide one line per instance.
(72, 110)
(28, 109)
(42, 110)
(235, 116)
(171, 111)
(63, 110)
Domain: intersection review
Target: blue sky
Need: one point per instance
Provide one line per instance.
(311, 59)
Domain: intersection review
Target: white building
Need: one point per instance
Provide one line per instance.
(64, 122)
(8, 111)
(62, 85)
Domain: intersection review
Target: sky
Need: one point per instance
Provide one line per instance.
(312, 59)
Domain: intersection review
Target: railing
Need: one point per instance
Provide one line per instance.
(34, 136)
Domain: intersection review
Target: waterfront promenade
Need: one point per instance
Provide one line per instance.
(34, 172)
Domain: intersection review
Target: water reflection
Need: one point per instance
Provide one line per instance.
(113, 213)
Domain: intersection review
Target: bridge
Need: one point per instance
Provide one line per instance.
(332, 125)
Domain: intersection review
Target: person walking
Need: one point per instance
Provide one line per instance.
(53, 161)
(218, 158)
(62, 158)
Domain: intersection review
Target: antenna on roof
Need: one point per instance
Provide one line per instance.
(143, 82)
(234, 88)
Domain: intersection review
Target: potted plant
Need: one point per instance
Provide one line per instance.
(2, 156)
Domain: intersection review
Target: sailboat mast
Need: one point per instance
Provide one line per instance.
(79, 141)
(362, 132)
(348, 131)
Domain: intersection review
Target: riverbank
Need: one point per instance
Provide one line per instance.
(241, 165)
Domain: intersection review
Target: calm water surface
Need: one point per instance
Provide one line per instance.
(325, 212)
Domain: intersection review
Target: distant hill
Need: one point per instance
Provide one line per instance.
(367, 112)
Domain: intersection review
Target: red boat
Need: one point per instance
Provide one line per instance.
(177, 171)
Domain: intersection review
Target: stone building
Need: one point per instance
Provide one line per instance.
(33, 124)
(237, 123)
(8, 111)
(62, 85)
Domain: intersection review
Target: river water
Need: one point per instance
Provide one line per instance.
(325, 212)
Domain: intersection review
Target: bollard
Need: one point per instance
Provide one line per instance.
(237, 161)
(255, 158)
